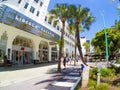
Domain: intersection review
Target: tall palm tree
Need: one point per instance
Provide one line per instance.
(82, 19)
(61, 13)
(87, 47)
(71, 27)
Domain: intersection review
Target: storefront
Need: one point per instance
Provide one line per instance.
(22, 51)
(27, 41)
(43, 51)
(54, 54)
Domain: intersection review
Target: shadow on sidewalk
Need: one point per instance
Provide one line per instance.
(25, 66)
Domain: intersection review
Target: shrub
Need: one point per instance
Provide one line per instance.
(91, 84)
(117, 70)
(93, 73)
(102, 86)
(118, 84)
(118, 61)
(105, 72)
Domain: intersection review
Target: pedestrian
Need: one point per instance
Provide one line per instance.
(64, 62)
(80, 70)
(70, 60)
(77, 60)
(67, 60)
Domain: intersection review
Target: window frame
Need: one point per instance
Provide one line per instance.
(32, 9)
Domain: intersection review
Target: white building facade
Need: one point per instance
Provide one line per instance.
(25, 34)
(83, 40)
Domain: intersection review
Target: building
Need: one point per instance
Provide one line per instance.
(26, 35)
(83, 40)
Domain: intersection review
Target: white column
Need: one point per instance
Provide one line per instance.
(49, 54)
(57, 52)
(36, 48)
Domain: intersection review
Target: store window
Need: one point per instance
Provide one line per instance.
(22, 50)
(21, 41)
(43, 51)
(54, 53)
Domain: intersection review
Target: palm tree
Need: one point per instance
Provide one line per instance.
(81, 19)
(117, 25)
(60, 12)
(87, 47)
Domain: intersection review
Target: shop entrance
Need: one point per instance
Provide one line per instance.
(43, 51)
(22, 51)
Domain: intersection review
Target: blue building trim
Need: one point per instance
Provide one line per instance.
(11, 17)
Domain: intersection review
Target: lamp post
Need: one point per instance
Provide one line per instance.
(106, 41)
(118, 7)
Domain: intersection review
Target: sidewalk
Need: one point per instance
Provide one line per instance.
(85, 78)
(69, 80)
(39, 78)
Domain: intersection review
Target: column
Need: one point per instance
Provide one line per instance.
(49, 53)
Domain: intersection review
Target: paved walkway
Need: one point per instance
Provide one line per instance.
(68, 81)
(47, 74)
(11, 77)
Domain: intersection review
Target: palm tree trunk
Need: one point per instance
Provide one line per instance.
(75, 49)
(79, 44)
(60, 48)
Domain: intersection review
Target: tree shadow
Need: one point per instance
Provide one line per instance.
(25, 66)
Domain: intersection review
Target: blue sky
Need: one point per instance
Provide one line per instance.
(96, 7)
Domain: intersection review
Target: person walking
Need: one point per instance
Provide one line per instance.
(64, 62)
(80, 70)
(67, 60)
(77, 60)
(70, 60)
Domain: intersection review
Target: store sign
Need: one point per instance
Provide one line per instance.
(22, 48)
(11, 17)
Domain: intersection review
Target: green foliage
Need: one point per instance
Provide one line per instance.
(118, 61)
(91, 84)
(106, 72)
(61, 43)
(115, 69)
(118, 84)
(113, 36)
(93, 73)
(102, 87)
(87, 46)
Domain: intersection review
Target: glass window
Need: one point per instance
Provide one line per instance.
(41, 3)
(32, 9)
(46, 18)
(37, 13)
(19, 1)
(36, 1)
(26, 5)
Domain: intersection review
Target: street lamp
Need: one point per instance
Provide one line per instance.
(106, 41)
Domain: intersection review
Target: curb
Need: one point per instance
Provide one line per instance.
(75, 85)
